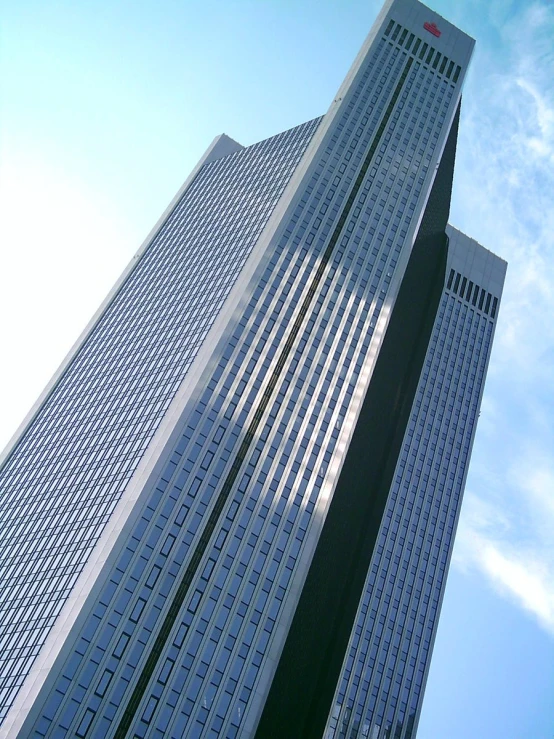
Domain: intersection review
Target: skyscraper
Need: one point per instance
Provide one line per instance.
(232, 510)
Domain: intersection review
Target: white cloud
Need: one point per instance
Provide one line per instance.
(522, 574)
(541, 142)
(526, 579)
(505, 198)
(506, 531)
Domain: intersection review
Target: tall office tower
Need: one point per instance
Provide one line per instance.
(232, 510)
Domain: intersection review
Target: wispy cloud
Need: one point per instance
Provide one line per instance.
(505, 199)
(507, 535)
(526, 578)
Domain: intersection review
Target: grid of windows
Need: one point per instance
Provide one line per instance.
(423, 51)
(473, 293)
(222, 626)
(383, 673)
(64, 479)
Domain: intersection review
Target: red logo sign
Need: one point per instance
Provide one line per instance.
(432, 28)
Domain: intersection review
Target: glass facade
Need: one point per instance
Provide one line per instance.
(384, 669)
(183, 630)
(63, 480)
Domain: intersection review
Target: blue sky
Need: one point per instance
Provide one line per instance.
(106, 107)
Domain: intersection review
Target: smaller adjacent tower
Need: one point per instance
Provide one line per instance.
(385, 667)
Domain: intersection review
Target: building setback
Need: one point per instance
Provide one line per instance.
(232, 510)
